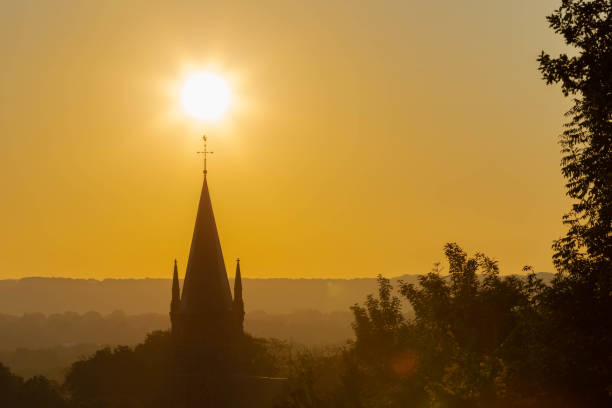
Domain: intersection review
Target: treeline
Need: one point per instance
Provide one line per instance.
(37, 330)
(36, 392)
(476, 339)
(37, 344)
(129, 377)
(495, 342)
(50, 362)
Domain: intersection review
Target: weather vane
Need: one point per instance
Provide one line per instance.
(205, 152)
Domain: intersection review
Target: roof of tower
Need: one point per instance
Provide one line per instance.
(206, 288)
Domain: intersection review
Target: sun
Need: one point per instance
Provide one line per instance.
(205, 96)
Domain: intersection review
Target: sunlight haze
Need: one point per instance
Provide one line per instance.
(350, 138)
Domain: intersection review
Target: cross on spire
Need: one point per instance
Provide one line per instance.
(205, 152)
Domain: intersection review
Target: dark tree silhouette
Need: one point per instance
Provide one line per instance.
(10, 386)
(473, 342)
(587, 141)
(36, 392)
(124, 377)
(39, 392)
(581, 299)
(465, 333)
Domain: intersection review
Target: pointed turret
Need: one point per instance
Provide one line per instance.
(176, 290)
(176, 295)
(238, 307)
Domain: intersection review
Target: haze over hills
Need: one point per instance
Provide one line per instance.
(47, 323)
(35, 343)
(138, 296)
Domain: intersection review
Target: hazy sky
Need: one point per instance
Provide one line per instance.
(363, 135)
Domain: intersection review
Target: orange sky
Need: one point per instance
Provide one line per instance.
(364, 136)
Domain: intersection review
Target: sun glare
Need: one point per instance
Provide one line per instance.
(205, 96)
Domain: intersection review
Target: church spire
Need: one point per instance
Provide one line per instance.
(206, 290)
(238, 306)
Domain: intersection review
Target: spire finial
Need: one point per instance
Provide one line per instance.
(205, 152)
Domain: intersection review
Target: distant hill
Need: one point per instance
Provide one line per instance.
(38, 331)
(35, 343)
(47, 323)
(141, 296)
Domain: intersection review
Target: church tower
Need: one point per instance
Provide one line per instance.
(204, 324)
(207, 327)
(204, 314)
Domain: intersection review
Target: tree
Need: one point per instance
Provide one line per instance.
(470, 332)
(123, 377)
(471, 341)
(378, 321)
(580, 300)
(36, 392)
(587, 140)
(10, 386)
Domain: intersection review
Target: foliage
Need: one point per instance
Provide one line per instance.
(143, 376)
(36, 392)
(477, 339)
(464, 347)
(261, 357)
(580, 301)
(377, 323)
(587, 140)
(123, 377)
(313, 378)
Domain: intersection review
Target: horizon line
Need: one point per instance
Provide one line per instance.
(250, 278)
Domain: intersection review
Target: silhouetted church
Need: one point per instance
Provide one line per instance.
(207, 327)
(205, 312)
